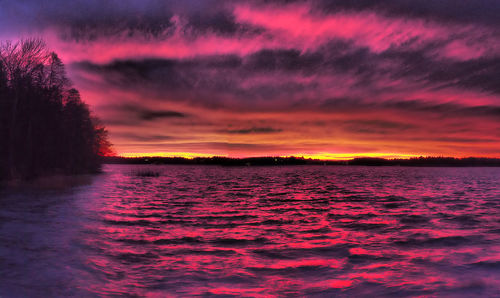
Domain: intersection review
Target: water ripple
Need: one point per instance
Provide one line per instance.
(257, 232)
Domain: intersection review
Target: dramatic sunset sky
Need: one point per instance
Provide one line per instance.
(326, 78)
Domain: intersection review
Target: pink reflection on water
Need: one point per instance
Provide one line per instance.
(292, 231)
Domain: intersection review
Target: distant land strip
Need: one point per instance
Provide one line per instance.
(292, 161)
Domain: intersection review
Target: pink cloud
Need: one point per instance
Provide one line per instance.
(297, 24)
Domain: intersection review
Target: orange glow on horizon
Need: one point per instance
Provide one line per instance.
(348, 156)
(188, 155)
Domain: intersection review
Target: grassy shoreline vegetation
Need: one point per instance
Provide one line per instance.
(45, 127)
(284, 161)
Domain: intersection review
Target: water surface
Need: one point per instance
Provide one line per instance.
(317, 231)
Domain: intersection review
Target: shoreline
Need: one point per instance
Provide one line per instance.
(295, 161)
(49, 182)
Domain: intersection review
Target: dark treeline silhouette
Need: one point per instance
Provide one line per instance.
(429, 162)
(45, 127)
(219, 160)
(282, 161)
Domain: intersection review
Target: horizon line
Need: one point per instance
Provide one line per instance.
(320, 157)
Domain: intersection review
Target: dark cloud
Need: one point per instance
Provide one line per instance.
(427, 107)
(204, 146)
(419, 64)
(455, 140)
(336, 56)
(344, 57)
(477, 74)
(450, 109)
(253, 130)
(167, 76)
(153, 115)
(141, 27)
(482, 74)
(210, 80)
(150, 69)
(220, 23)
(130, 73)
(283, 60)
(140, 113)
(156, 26)
(472, 11)
(144, 137)
(377, 126)
(215, 62)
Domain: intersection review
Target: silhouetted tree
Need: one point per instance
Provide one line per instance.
(4, 119)
(45, 127)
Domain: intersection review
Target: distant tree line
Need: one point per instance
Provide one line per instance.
(295, 161)
(45, 127)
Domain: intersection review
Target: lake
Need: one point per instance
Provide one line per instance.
(316, 231)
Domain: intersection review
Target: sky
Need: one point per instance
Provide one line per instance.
(314, 78)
